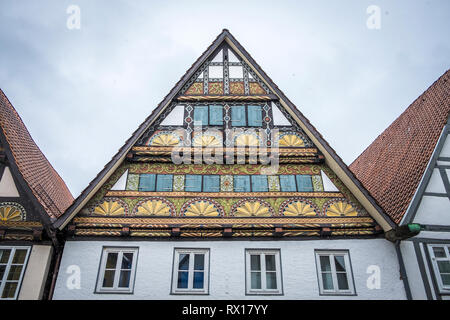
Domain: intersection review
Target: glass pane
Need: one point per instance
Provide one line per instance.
(259, 183)
(255, 262)
(327, 281)
(198, 280)
(270, 262)
(339, 263)
(4, 255)
(2, 271)
(445, 279)
(439, 252)
(256, 280)
(124, 280)
(19, 256)
(10, 290)
(342, 281)
(182, 280)
(14, 272)
(287, 183)
(183, 262)
(304, 183)
(216, 115)
(199, 262)
(111, 262)
(325, 263)
(108, 281)
(238, 116)
(254, 116)
(201, 115)
(271, 280)
(193, 183)
(444, 266)
(164, 182)
(147, 182)
(127, 260)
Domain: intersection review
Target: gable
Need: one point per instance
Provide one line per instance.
(431, 203)
(232, 188)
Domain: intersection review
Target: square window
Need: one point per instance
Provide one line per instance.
(304, 183)
(259, 183)
(440, 258)
(191, 271)
(334, 273)
(216, 115)
(287, 183)
(211, 183)
(193, 183)
(238, 118)
(263, 271)
(201, 115)
(117, 270)
(12, 265)
(242, 184)
(147, 182)
(164, 182)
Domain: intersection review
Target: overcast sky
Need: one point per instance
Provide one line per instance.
(82, 92)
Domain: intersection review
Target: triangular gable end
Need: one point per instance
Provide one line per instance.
(194, 88)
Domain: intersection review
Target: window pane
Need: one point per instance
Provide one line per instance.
(342, 281)
(241, 183)
(183, 280)
(124, 280)
(184, 262)
(211, 183)
(127, 260)
(444, 266)
(10, 290)
(19, 256)
(270, 262)
(287, 183)
(193, 183)
(4, 255)
(164, 182)
(238, 116)
(199, 262)
(327, 281)
(216, 115)
(147, 182)
(439, 252)
(2, 271)
(445, 279)
(339, 263)
(325, 263)
(14, 272)
(259, 183)
(304, 183)
(201, 115)
(108, 281)
(198, 280)
(271, 280)
(111, 262)
(255, 280)
(255, 262)
(254, 116)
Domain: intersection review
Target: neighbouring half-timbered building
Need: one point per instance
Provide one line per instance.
(407, 170)
(226, 191)
(32, 196)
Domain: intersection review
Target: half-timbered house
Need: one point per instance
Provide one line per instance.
(226, 191)
(32, 196)
(406, 169)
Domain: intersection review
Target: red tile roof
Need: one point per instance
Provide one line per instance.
(392, 166)
(43, 180)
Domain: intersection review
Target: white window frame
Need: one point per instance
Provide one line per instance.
(348, 268)
(263, 290)
(8, 267)
(190, 289)
(101, 274)
(434, 259)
